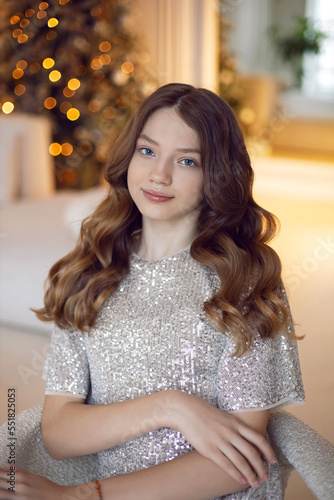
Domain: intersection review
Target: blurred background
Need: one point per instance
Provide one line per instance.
(71, 73)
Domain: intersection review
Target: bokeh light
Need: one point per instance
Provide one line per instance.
(98, 76)
(66, 148)
(22, 64)
(43, 5)
(48, 63)
(7, 107)
(94, 105)
(51, 35)
(53, 22)
(65, 106)
(105, 46)
(22, 38)
(80, 70)
(41, 14)
(95, 64)
(17, 33)
(73, 114)
(55, 149)
(34, 67)
(105, 59)
(86, 148)
(14, 19)
(122, 102)
(50, 102)
(29, 12)
(127, 67)
(17, 73)
(109, 112)
(24, 23)
(55, 75)
(73, 84)
(247, 115)
(19, 89)
(68, 92)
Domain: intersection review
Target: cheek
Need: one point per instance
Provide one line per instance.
(196, 189)
(131, 177)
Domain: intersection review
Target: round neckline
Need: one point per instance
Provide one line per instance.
(187, 248)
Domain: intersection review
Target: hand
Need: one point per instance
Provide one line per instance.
(223, 438)
(17, 484)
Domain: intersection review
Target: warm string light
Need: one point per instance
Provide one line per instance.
(105, 46)
(50, 102)
(55, 149)
(55, 75)
(73, 114)
(23, 30)
(73, 84)
(19, 89)
(7, 107)
(22, 64)
(53, 22)
(48, 63)
(127, 67)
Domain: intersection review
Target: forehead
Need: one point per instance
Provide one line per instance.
(166, 124)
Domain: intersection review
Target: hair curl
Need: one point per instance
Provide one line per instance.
(232, 237)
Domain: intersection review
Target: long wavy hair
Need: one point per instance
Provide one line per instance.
(232, 234)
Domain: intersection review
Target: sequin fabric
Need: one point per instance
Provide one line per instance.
(152, 335)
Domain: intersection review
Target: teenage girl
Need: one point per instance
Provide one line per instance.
(173, 338)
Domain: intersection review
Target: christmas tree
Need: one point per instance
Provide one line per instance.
(79, 63)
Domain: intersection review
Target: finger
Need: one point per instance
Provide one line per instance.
(220, 459)
(248, 460)
(244, 466)
(260, 442)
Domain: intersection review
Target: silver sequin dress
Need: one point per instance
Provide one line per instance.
(152, 335)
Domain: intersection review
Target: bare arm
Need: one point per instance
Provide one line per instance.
(225, 439)
(66, 419)
(189, 477)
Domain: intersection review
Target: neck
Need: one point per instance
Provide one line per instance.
(159, 239)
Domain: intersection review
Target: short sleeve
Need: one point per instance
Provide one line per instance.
(67, 370)
(268, 375)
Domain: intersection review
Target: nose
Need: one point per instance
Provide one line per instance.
(161, 172)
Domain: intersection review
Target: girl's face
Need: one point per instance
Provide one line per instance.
(165, 177)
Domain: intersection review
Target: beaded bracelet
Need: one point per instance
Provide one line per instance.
(98, 488)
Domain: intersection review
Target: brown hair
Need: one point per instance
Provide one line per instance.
(233, 231)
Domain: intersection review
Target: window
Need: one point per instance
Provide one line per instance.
(319, 68)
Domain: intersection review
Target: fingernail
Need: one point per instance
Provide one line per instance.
(256, 484)
(244, 480)
(265, 477)
(273, 460)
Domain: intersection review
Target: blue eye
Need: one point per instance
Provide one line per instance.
(188, 162)
(146, 151)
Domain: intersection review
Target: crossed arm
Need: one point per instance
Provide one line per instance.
(228, 447)
(227, 457)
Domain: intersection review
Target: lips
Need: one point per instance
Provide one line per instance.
(157, 196)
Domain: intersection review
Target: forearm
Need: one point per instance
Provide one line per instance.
(189, 477)
(75, 429)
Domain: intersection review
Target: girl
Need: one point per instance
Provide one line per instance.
(173, 337)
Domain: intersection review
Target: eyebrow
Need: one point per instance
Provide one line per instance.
(182, 150)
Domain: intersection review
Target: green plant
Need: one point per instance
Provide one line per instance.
(302, 38)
